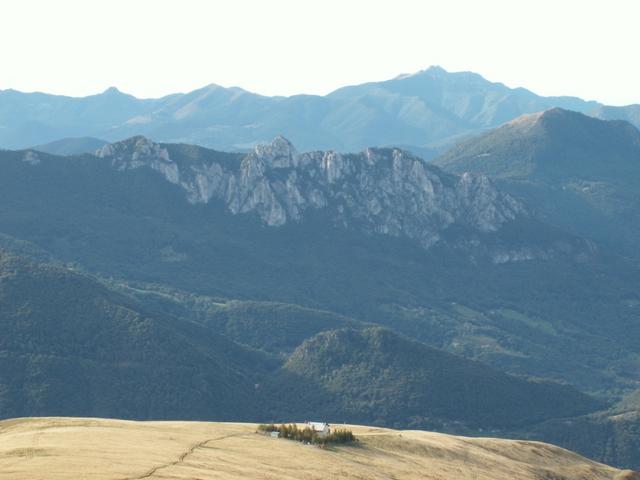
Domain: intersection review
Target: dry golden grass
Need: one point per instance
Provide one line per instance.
(76, 449)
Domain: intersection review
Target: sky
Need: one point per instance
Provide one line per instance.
(151, 48)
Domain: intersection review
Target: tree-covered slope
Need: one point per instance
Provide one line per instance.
(271, 326)
(382, 377)
(71, 346)
(553, 145)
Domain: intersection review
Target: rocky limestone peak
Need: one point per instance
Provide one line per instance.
(381, 190)
(488, 207)
(139, 151)
(280, 153)
(138, 147)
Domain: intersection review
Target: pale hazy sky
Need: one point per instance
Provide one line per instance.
(153, 47)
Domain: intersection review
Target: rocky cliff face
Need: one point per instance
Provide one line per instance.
(386, 191)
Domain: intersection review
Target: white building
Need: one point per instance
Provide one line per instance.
(321, 428)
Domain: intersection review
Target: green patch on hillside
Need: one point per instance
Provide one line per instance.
(542, 325)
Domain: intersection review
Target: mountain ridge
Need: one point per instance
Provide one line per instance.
(388, 191)
(552, 132)
(425, 110)
(580, 173)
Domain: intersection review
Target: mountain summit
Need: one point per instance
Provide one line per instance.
(559, 158)
(554, 143)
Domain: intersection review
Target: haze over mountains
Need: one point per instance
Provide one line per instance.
(423, 112)
(71, 146)
(494, 287)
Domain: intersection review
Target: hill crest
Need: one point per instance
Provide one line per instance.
(65, 448)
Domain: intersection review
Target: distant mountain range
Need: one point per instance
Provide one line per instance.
(423, 112)
(71, 146)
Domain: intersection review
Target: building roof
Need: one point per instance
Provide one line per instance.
(317, 426)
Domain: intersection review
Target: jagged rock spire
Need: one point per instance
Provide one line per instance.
(280, 153)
